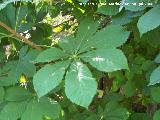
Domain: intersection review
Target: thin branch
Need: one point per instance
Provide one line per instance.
(22, 39)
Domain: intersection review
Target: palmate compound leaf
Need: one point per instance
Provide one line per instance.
(155, 76)
(80, 86)
(38, 109)
(49, 77)
(106, 60)
(146, 23)
(113, 36)
(50, 54)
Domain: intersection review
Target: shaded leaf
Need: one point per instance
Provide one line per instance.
(156, 115)
(5, 3)
(155, 94)
(155, 76)
(17, 94)
(13, 110)
(157, 60)
(36, 110)
(137, 7)
(2, 92)
(115, 112)
(146, 23)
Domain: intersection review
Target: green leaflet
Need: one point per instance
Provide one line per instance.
(49, 77)
(155, 76)
(14, 16)
(106, 60)
(86, 39)
(108, 9)
(114, 36)
(38, 109)
(129, 88)
(25, 67)
(17, 94)
(7, 81)
(141, 116)
(13, 110)
(67, 44)
(2, 93)
(28, 55)
(31, 55)
(155, 94)
(146, 23)
(10, 15)
(157, 115)
(80, 86)
(123, 18)
(22, 66)
(137, 7)
(157, 60)
(50, 54)
(84, 1)
(23, 51)
(86, 29)
(22, 11)
(15, 70)
(115, 112)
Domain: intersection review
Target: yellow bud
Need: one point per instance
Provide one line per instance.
(100, 93)
(23, 79)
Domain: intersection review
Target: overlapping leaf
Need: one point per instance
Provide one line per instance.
(115, 112)
(13, 110)
(49, 77)
(86, 29)
(106, 60)
(37, 110)
(50, 54)
(146, 23)
(80, 86)
(155, 77)
(157, 115)
(114, 36)
(17, 94)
